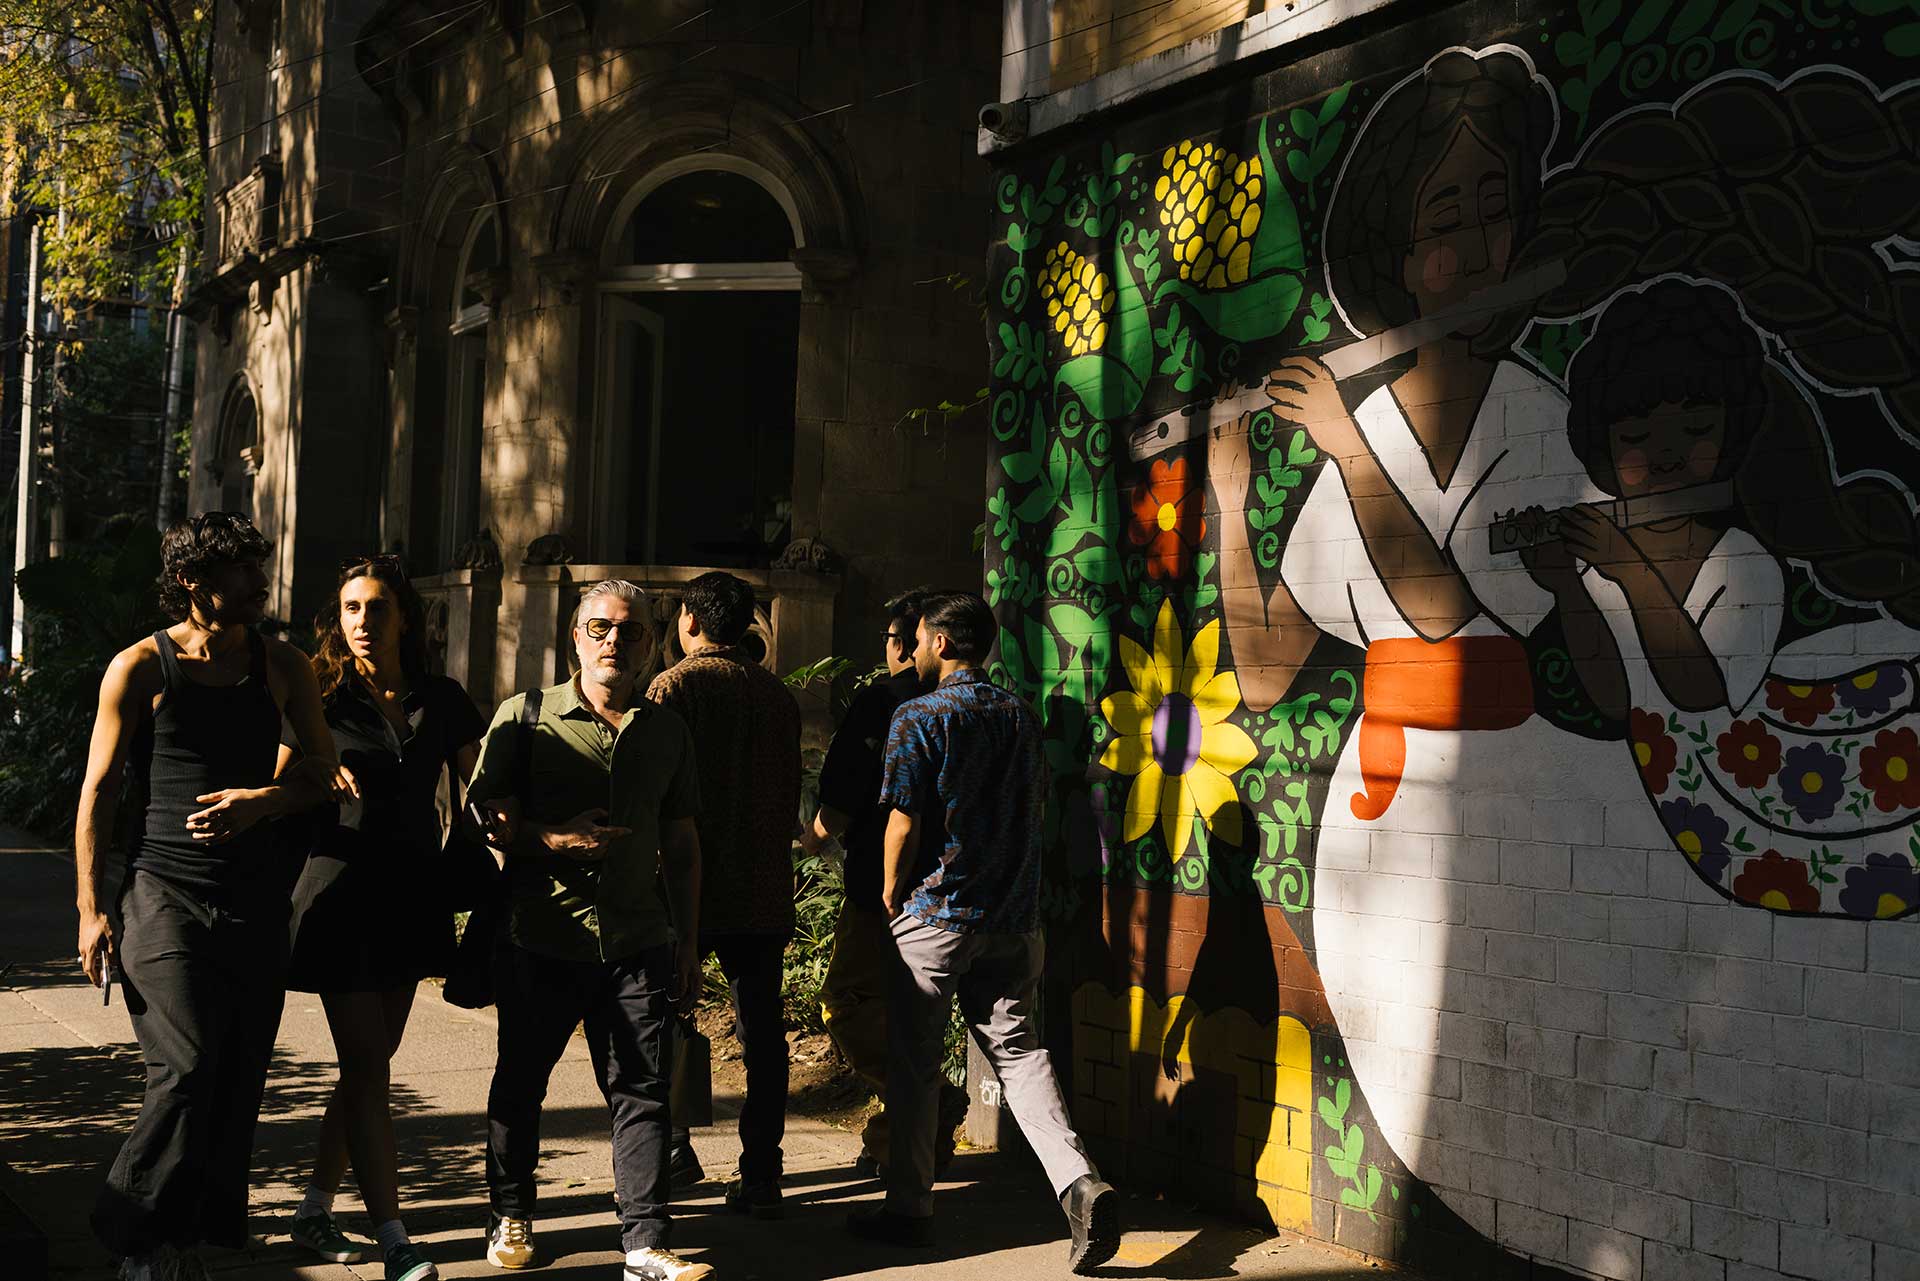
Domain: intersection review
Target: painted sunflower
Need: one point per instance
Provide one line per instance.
(1172, 734)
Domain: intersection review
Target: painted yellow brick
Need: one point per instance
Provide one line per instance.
(1284, 1167)
(1291, 1208)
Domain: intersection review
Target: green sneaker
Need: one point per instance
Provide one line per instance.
(320, 1234)
(406, 1263)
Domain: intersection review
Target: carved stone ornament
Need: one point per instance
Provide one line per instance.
(479, 553)
(809, 555)
(549, 549)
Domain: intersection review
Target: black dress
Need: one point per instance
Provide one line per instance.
(372, 910)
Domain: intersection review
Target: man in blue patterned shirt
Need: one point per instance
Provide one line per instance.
(965, 916)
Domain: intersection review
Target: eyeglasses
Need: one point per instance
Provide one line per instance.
(629, 631)
(904, 642)
(385, 560)
(208, 520)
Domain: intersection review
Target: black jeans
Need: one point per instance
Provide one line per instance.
(753, 964)
(204, 986)
(629, 1018)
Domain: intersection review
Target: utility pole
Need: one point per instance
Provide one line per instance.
(26, 508)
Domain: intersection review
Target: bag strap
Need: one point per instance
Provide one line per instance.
(523, 745)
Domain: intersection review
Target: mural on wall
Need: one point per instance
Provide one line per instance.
(1417, 502)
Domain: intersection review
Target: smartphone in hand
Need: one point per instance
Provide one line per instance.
(482, 819)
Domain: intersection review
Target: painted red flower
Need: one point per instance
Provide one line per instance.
(1775, 881)
(1890, 769)
(1749, 753)
(1654, 750)
(1168, 518)
(1800, 704)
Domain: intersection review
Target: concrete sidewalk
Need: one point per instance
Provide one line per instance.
(70, 1078)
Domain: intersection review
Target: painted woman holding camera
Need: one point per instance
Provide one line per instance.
(371, 914)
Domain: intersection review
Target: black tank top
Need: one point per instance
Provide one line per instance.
(201, 739)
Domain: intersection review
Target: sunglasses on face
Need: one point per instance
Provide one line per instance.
(630, 631)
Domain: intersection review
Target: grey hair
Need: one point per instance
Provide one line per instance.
(620, 589)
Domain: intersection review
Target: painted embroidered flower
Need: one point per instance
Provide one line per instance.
(1800, 704)
(1890, 769)
(1654, 750)
(1168, 518)
(1079, 299)
(1749, 753)
(1699, 832)
(1210, 205)
(1885, 885)
(1810, 781)
(1873, 691)
(1777, 882)
(1172, 734)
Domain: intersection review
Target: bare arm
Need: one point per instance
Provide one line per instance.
(1590, 642)
(1269, 634)
(902, 843)
(126, 694)
(1422, 580)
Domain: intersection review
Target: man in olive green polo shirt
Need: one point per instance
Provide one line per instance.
(604, 865)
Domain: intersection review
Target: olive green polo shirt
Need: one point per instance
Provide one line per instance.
(643, 775)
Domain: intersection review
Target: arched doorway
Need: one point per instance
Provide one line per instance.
(700, 335)
(236, 453)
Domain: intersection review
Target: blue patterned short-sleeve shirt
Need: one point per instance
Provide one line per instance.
(970, 751)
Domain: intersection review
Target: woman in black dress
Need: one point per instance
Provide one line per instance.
(371, 914)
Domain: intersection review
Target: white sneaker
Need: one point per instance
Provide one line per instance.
(660, 1265)
(510, 1243)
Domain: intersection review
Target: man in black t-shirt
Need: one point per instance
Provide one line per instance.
(854, 999)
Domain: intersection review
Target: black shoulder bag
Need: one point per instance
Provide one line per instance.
(469, 982)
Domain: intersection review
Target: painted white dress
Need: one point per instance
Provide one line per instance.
(1523, 971)
(1803, 792)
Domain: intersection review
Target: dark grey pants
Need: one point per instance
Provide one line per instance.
(753, 964)
(997, 977)
(204, 986)
(629, 1018)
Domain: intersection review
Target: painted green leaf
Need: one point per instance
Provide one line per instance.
(1334, 1118)
(1256, 310)
(1738, 15)
(1691, 20)
(1335, 100)
(1304, 122)
(1014, 661)
(1572, 48)
(1604, 62)
(1645, 21)
(1098, 565)
(1598, 15)
(1904, 40)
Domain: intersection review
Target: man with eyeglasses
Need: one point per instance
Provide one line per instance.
(854, 998)
(193, 714)
(593, 934)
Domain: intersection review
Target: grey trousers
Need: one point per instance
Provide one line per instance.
(997, 977)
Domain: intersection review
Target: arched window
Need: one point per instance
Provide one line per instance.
(236, 455)
(700, 325)
(471, 315)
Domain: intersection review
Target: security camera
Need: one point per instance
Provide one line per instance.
(1006, 121)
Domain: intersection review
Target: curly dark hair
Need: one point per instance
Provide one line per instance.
(195, 547)
(1370, 217)
(1681, 342)
(721, 605)
(333, 658)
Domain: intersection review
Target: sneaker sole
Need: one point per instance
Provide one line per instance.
(694, 1272)
(512, 1267)
(1103, 1234)
(423, 1271)
(332, 1256)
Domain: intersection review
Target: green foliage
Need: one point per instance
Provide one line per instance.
(84, 608)
(106, 117)
(1344, 1156)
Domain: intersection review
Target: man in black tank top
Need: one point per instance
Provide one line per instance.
(201, 936)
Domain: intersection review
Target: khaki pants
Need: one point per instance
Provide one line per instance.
(853, 1002)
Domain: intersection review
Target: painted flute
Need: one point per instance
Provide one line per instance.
(1513, 530)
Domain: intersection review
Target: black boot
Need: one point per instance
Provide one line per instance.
(1093, 1210)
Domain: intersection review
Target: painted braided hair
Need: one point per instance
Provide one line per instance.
(1684, 343)
(1369, 230)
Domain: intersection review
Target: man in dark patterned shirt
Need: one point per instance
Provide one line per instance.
(965, 918)
(746, 741)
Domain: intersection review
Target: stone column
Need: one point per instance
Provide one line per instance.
(403, 359)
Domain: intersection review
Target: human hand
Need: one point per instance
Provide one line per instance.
(229, 812)
(340, 783)
(493, 822)
(1590, 535)
(1306, 394)
(96, 946)
(1548, 562)
(893, 898)
(687, 976)
(586, 837)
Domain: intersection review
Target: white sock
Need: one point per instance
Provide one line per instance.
(318, 1200)
(390, 1234)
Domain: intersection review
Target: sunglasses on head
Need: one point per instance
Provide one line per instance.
(218, 520)
(629, 631)
(385, 560)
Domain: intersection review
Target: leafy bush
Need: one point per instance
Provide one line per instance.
(83, 609)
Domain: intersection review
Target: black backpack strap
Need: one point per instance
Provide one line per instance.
(523, 746)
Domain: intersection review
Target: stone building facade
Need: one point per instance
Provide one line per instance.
(543, 293)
